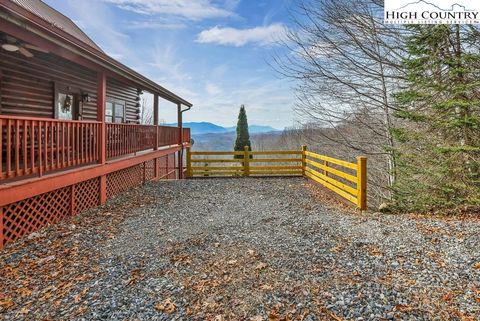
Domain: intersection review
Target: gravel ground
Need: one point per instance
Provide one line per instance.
(242, 249)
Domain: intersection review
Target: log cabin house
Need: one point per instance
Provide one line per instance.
(70, 132)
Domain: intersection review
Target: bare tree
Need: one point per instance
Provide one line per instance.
(146, 111)
(347, 64)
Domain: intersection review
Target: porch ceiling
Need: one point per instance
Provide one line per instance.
(27, 26)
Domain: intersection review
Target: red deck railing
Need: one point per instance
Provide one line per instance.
(37, 146)
(123, 139)
(186, 135)
(168, 136)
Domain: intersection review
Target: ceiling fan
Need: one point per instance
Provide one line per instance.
(11, 44)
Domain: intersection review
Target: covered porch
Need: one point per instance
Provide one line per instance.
(71, 133)
(32, 147)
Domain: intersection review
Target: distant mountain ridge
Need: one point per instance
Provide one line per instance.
(198, 128)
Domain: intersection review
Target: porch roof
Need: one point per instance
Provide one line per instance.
(35, 17)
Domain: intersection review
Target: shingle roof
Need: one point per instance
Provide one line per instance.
(52, 16)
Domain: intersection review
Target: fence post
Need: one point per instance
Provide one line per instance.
(246, 161)
(304, 159)
(362, 182)
(189, 163)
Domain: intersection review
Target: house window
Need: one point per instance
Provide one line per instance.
(115, 112)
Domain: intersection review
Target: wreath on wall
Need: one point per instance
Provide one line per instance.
(67, 104)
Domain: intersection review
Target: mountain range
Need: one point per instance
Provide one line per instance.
(199, 128)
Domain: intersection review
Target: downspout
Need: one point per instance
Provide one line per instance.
(180, 126)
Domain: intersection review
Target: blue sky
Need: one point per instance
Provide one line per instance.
(211, 52)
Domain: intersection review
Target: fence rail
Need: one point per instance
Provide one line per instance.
(245, 163)
(347, 179)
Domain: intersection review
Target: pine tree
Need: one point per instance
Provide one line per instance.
(243, 137)
(438, 159)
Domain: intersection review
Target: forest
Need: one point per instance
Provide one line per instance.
(406, 96)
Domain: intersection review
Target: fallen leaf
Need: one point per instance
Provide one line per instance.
(447, 297)
(81, 310)
(261, 266)
(24, 292)
(159, 307)
(167, 306)
(336, 249)
(477, 266)
(6, 303)
(403, 308)
(305, 313)
(266, 287)
(274, 316)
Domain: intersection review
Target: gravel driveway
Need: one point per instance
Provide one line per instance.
(242, 249)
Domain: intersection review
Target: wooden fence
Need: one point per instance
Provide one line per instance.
(347, 179)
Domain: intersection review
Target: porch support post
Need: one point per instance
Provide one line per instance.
(180, 153)
(155, 109)
(155, 123)
(102, 139)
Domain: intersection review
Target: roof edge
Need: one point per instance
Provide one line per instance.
(94, 54)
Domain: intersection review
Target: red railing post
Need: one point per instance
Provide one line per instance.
(102, 137)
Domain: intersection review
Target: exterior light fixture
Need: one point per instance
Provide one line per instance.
(10, 47)
(86, 98)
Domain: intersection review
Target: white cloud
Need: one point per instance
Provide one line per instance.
(264, 35)
(164, 59)
(212, 89)
(191, 10)
(153, 24)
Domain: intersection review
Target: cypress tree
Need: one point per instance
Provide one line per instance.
(438, 159)
(243, 136)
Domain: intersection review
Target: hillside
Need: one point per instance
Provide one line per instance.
(198, 128)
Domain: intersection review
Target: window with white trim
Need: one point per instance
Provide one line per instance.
(115, 111)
